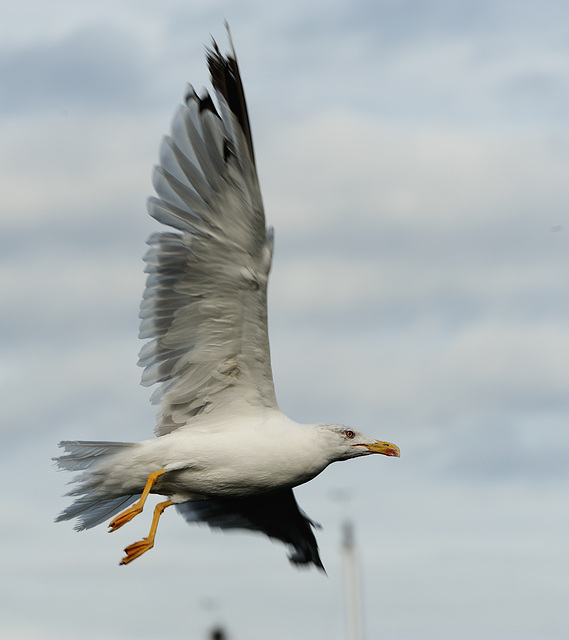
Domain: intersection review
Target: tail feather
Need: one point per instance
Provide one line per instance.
(91, 511)
(93, 506)
(84, 454)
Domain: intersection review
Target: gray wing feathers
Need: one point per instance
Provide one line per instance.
(205, 303)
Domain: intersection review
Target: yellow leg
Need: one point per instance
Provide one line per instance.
(136, 549)
(128, 514)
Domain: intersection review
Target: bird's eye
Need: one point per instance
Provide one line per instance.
(349, 434)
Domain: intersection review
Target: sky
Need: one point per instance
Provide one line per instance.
(413, 158)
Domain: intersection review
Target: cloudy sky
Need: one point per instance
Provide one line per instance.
(414, 160)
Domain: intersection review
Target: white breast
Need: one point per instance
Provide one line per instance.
(246, 458)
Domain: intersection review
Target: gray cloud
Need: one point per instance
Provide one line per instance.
(93, 68)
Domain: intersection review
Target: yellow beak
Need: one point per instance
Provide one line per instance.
(385, 448)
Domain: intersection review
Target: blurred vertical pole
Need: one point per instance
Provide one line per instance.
(352, 581)
(217, 631)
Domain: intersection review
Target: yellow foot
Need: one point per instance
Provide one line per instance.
(126, 516)
(136, 549)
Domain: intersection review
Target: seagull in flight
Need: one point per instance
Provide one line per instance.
(225, 454)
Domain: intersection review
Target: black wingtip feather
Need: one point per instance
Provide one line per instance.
(226, 80)
(206, 102)
(276, 514)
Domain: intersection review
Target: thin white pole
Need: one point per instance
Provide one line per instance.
(352, 583)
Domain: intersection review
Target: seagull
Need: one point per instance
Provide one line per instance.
(225, 455)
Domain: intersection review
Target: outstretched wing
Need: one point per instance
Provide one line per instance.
(275, 514)
(205, 303)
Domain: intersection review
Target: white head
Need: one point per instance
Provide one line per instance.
(345, 443)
